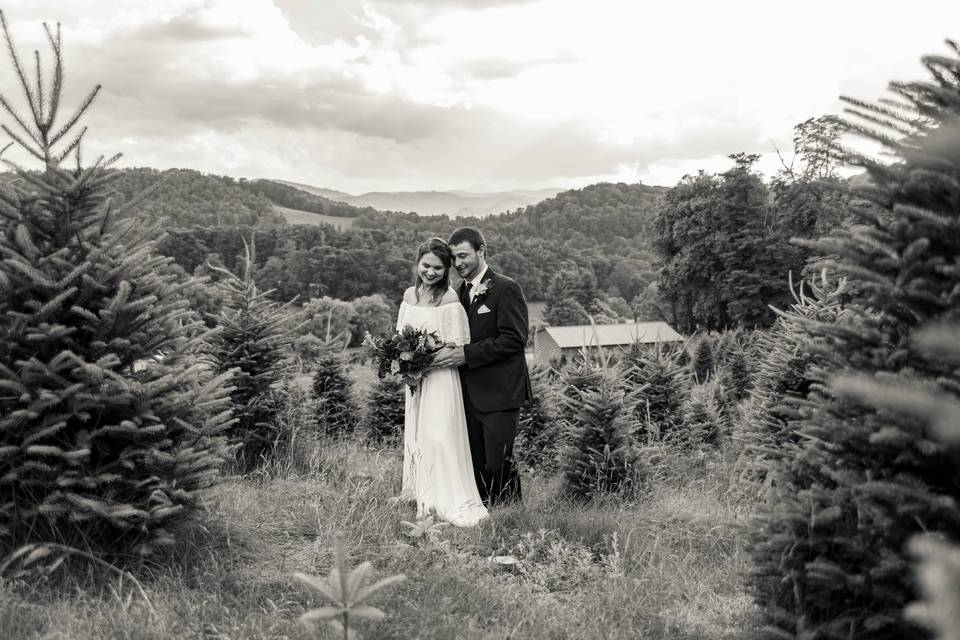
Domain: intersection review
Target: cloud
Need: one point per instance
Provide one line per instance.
(460, 4)
(500, 68)
(189, 27)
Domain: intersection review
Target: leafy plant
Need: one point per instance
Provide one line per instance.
(345, 590)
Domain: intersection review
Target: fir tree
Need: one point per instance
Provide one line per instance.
(386, 410)
(251, 346)
(539, 432)
(737, 381)
(662, 385)
(601, 455)
(861, 481)
(110, 418)
(703, 360)
(707, 416)
(336, 411)
(781, 376)
(939, 568)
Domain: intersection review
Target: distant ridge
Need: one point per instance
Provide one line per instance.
(431, 203)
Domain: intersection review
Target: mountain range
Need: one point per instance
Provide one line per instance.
(430, 203)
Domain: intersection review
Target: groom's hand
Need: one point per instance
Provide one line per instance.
(448, 357)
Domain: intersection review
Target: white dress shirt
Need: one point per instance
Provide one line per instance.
(475, 281)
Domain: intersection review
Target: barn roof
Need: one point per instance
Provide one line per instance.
(612, 334)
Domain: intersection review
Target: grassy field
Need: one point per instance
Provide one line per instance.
(662, 562)
(295, 216)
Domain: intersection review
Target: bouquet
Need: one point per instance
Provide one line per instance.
(406, 353)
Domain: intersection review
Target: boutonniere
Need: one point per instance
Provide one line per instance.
(483, 288)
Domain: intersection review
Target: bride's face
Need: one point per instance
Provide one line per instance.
(431, 269)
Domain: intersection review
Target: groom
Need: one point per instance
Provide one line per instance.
(493, 369)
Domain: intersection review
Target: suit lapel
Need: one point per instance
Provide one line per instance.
(478, 299)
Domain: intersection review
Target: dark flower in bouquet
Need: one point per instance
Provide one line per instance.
(406, 353)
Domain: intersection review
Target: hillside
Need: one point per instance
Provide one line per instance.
(296, 216)
(188, 198)
(431, 203)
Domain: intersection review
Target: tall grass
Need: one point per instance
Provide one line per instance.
(660, 563)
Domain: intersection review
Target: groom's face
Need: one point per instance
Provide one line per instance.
(466, 259)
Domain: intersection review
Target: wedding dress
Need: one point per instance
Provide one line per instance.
(437, 468)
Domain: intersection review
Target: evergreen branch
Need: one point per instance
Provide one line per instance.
(74, 144)
(40, 121)
(22, 143)
(56, 87)
(18, 67)
(76, 115)
(885, 123)
(30, 177)
(896, 115)
(885, 140)
(19, 120)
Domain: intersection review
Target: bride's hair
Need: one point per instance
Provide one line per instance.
(441, 249)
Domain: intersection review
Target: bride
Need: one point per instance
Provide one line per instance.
(437, 469)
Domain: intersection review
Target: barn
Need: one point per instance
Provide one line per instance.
(550, 344)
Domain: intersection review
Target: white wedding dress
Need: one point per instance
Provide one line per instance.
(437, 468)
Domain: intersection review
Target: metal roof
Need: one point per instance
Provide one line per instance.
(612, 334)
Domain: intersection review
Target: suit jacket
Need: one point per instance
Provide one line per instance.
(495, 374)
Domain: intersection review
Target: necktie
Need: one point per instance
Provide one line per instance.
(466, 294)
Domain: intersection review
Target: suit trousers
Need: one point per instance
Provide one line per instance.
(491, 435)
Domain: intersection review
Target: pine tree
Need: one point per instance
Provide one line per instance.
(538, 432)
(110, 419)
(707, 416)
(251, 346)
(386, 410)
(336, 411)
(861, 481)
(662, 385)
(703, 360)
(939, 567)
(600, 455)
(781, 376)
(737, 380)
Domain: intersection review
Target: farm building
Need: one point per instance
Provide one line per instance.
(550, 344)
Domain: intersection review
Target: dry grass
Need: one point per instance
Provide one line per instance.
(664, 565)
(296, 216)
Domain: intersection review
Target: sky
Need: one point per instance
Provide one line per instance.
(478, 95)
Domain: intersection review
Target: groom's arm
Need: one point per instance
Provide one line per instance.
(512, 325)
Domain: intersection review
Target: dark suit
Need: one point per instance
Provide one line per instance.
(495, 383)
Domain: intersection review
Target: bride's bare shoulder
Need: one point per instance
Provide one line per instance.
(410, 295)
(450, 297)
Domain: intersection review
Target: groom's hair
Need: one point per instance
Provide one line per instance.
(467, 234)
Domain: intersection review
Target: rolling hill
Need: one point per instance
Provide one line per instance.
(431, 203)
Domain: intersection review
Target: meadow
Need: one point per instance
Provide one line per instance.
(661, 561)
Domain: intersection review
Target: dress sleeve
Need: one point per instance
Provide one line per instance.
(400, 316)
(454, 326)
